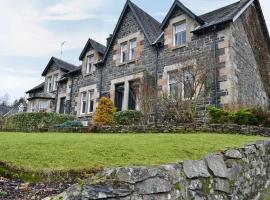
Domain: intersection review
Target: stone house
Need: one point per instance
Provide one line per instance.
(231, 42)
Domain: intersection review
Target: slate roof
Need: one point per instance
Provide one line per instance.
(222, 15)
(61, 64)
(149, 25)
(184, 9)
(100, 48)
(38, 87)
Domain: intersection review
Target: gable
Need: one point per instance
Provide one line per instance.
(132, 20)
(57, 64)
(176, 10)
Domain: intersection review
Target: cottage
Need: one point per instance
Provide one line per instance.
(227, 51)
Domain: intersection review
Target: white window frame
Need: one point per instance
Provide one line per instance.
(55, 80)
(43, 105)
(183, 30)
(82, 101)
(170, 83)
(124, 48)
(91, 94)
(132, 49)
(90, 64)
(49, 82)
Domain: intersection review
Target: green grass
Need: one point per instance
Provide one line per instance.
(56, 151)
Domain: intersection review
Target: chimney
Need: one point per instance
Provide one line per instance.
(109, 40)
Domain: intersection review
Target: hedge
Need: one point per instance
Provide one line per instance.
(35, 120)
(241, 117)
(129, 117)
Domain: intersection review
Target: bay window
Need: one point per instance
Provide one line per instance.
(42, 106)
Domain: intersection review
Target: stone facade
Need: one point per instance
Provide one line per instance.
(234, 53)
(232, 174)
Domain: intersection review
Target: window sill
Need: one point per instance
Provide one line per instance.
(127, 63)
(179, 47)
(86, 115)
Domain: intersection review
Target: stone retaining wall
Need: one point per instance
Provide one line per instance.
(180, 128)
(233, 174)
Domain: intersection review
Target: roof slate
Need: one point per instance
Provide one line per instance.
(221, 15)
(100, 48)
(61, 64)
(38, 87)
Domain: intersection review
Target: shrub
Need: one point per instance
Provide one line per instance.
(104, 112)
(129, 117)
(35, 120)
(70, 124)
(219, 116)
(245, 117)
(263, 116)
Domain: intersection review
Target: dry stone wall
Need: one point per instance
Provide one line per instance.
(233, 174)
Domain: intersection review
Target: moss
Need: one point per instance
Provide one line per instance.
(178, 186)
(3, 194)
(206, 186)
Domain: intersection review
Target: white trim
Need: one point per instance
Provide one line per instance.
(242, 10)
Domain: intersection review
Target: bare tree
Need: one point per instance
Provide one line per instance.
(4, 100)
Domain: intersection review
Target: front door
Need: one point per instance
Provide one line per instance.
(62, 105)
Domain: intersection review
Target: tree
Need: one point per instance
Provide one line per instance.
(17, 102)
(4, 100)
(104, 112)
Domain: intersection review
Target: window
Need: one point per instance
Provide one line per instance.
(42, 106)
(33, 107)
(133, 99)
(132, 49)
(62, 105)
(179, 31)
(55, 79)
(91, 101)
(49, 87)
(83, 102)
(119, 96)
(174, 89)
(90, 64)
(188, 84)
(124, 52)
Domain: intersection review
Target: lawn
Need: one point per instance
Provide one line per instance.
(51, 151)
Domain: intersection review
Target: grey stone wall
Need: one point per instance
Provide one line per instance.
(146, 62)
(235, 174)
(246, 67)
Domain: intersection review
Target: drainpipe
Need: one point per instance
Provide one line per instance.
(56, 97)
(70, 96)
(156, 46)
(215, 71)
(101, 80)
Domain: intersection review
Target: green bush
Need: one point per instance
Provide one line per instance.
(241, 117)
(219, 116)
(263, 116)
(245, 117)
(35, 120)
(129, 117)
(70, 124)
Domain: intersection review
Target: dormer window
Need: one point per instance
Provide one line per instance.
(124, 52)
(90, 64)
(132, 49)
(179, 34)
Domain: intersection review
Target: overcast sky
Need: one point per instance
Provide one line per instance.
(32, 31)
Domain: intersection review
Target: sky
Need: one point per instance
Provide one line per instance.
(32, 31)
